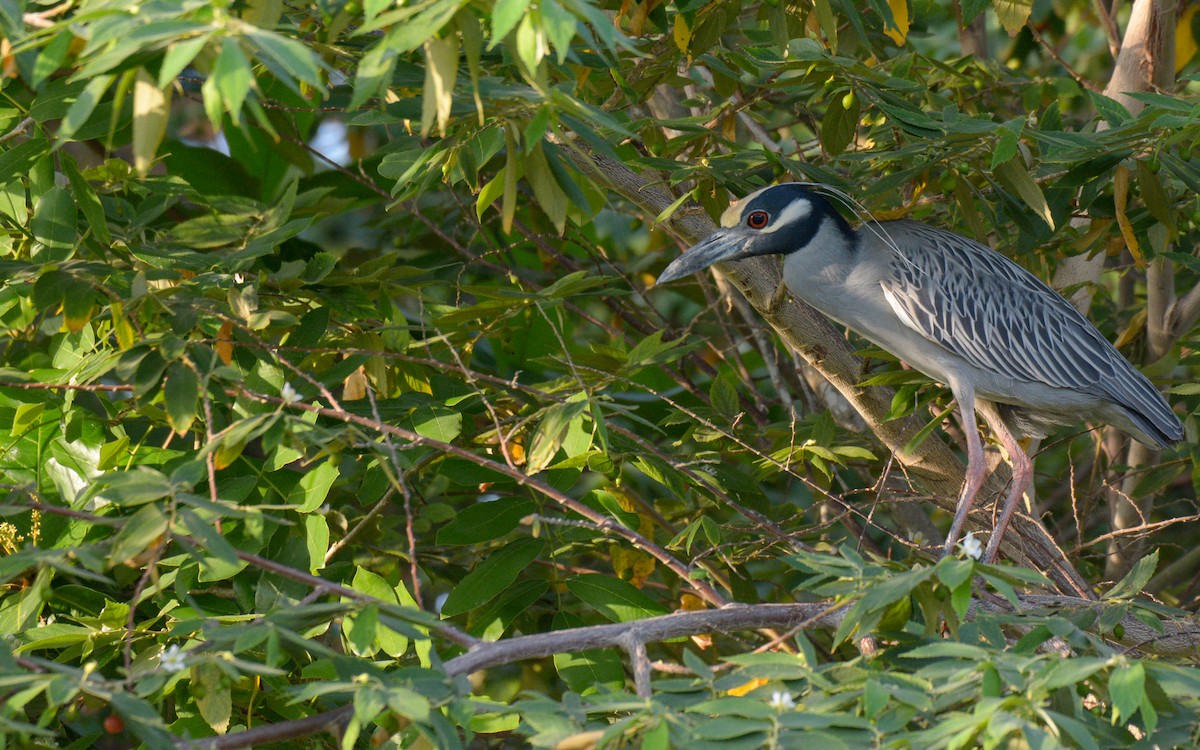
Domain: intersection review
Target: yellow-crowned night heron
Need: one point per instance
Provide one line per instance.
(1006, 344)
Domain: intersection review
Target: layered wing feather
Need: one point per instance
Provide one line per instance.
(999, 317)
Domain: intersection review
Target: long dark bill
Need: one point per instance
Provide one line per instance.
(720, 246)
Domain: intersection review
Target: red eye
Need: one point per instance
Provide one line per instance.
(757, 219)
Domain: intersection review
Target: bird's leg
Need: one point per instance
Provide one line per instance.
(976, 469)
(1022, 475)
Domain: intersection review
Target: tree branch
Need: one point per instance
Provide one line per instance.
(1178, 637)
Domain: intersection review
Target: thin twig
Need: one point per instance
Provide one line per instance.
(357, 529)
(705, 591)
(17, 130)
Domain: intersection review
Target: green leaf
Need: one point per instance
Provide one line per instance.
(26, 417)
(550, 195)
(1013, 14)
(407, 36)
(485, 521)
(505, 16)
(1127, 688)
(141, 484)
(374, 73)
(312, 489)
(529, 43)
(181, 393)
(1008, 137)
(211, 542)
(552, 432)
(723, 395)
(1012, 175)
(151, 107)
(179, 55)
(81, 109)
(840, 123)
(16, 161)
(145, 723)
(615, 599)
(288, 59)
(559, 25)
(1135, 580)
(971, 10)
(1155, 196)
(587, 670)
(361, 630)
(54, 225)
(492, 576)
(1069, 673)
(51, 58)
(211, 688)
(437, 422)
(141, 530)
(316, 537)
(381, 636)
(1111, 110)
(229, 83)
(86, 198)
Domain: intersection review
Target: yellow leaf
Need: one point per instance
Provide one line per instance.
(1185, 38)
(581, 741)
(354, 388)
(632, 565)
(441, 72)
(750, 686)
(691, 603)
(151, 107)
(1136, 327)
(899, 32)
(225, 342)
(1121, 199)
(683, 35)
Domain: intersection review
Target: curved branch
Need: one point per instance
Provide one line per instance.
(653, 629)
(1176, 638)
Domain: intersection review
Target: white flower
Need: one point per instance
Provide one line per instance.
(970, 546)
(782, 701)
(289, 394)
(173, 660)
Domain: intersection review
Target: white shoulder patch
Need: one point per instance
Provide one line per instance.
(901, 313)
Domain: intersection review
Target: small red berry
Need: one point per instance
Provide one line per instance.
(113, 724)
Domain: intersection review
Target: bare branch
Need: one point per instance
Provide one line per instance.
(665, 627)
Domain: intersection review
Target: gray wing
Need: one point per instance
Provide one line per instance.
(998, 316)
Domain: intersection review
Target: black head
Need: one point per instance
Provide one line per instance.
(773, 221)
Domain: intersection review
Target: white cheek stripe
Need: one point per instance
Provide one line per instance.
(794, 212)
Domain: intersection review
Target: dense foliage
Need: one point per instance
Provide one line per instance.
(332, 361)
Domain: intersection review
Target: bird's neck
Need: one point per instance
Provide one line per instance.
(829, 258)
(832, 274)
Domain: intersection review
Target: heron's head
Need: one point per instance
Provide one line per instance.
(776, 220)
